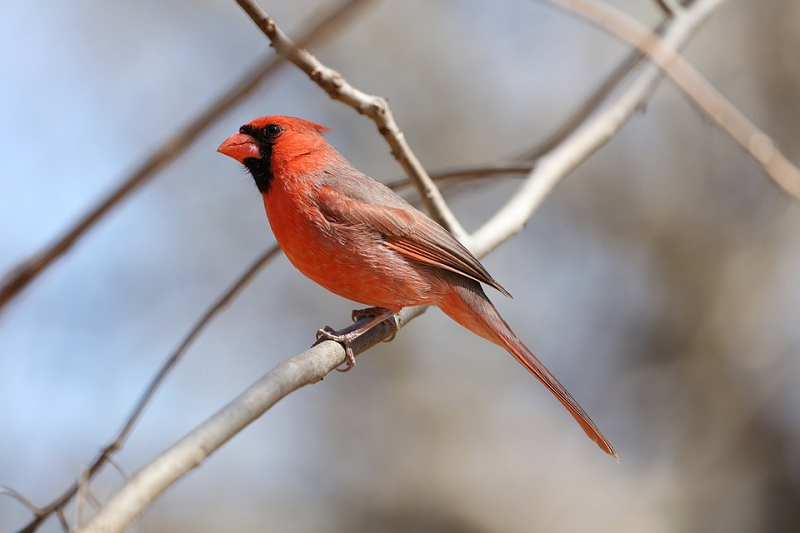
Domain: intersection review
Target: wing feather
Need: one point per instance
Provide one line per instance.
(403, 228)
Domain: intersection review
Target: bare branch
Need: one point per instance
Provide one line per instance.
(670, 7)
(25, 272)
(83, 489)
(375, 107)
(8, 491)
(710, 101)
(62, 519)
(170, 363)
(123, 473)
(463, 172)
(584, 141)
(188, 453)
(592, 103)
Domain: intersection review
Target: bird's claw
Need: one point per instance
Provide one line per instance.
(328, 333)
(378, 314)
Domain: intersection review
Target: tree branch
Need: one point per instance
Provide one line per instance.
(593, 102)
(106, 454)
(288, 376)
(25, 272)
(11, 493)
(375, 107)
(710, 101)
(584, 141)
(670, 7)
(463, 172)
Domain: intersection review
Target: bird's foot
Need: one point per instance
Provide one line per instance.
(346, 338)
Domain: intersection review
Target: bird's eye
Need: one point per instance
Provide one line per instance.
(272, 130)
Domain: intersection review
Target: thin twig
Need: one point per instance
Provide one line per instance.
(26, 271)
(584, 141)
(11, 493)
(592, 103)
(670, 7)
(375, 107)
(153, 386)
(92, 498)
(175, 357)
(83, 489)
(62, 519)
(710, 101)
(596, 98)
(123, 473)
(462, 172)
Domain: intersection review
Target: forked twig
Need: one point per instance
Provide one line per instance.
(375, 107)
(670, 7)
(593, 102)
(25, 272)
(11, 493)
(710, 101)
(589, 137)
(107, 452)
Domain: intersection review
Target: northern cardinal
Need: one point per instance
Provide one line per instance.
(360, 240)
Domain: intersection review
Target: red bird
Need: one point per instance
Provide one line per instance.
(360, 240)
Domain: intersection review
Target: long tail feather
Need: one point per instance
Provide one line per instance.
(468, 305)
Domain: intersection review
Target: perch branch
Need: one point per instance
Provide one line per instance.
(188, 453)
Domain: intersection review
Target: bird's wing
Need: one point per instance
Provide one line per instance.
(403, 228)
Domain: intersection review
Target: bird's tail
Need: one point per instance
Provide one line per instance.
(467, 304)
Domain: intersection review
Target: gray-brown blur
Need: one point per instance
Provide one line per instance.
(660, 282)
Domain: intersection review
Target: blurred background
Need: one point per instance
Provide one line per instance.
(659, 282)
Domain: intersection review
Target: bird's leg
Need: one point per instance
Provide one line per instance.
(346, 338)
(358, 314)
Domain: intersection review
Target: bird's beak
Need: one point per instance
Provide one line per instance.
(240, 147)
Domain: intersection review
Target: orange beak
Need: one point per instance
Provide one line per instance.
(240, 147)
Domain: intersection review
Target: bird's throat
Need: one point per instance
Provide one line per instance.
(261, 168)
